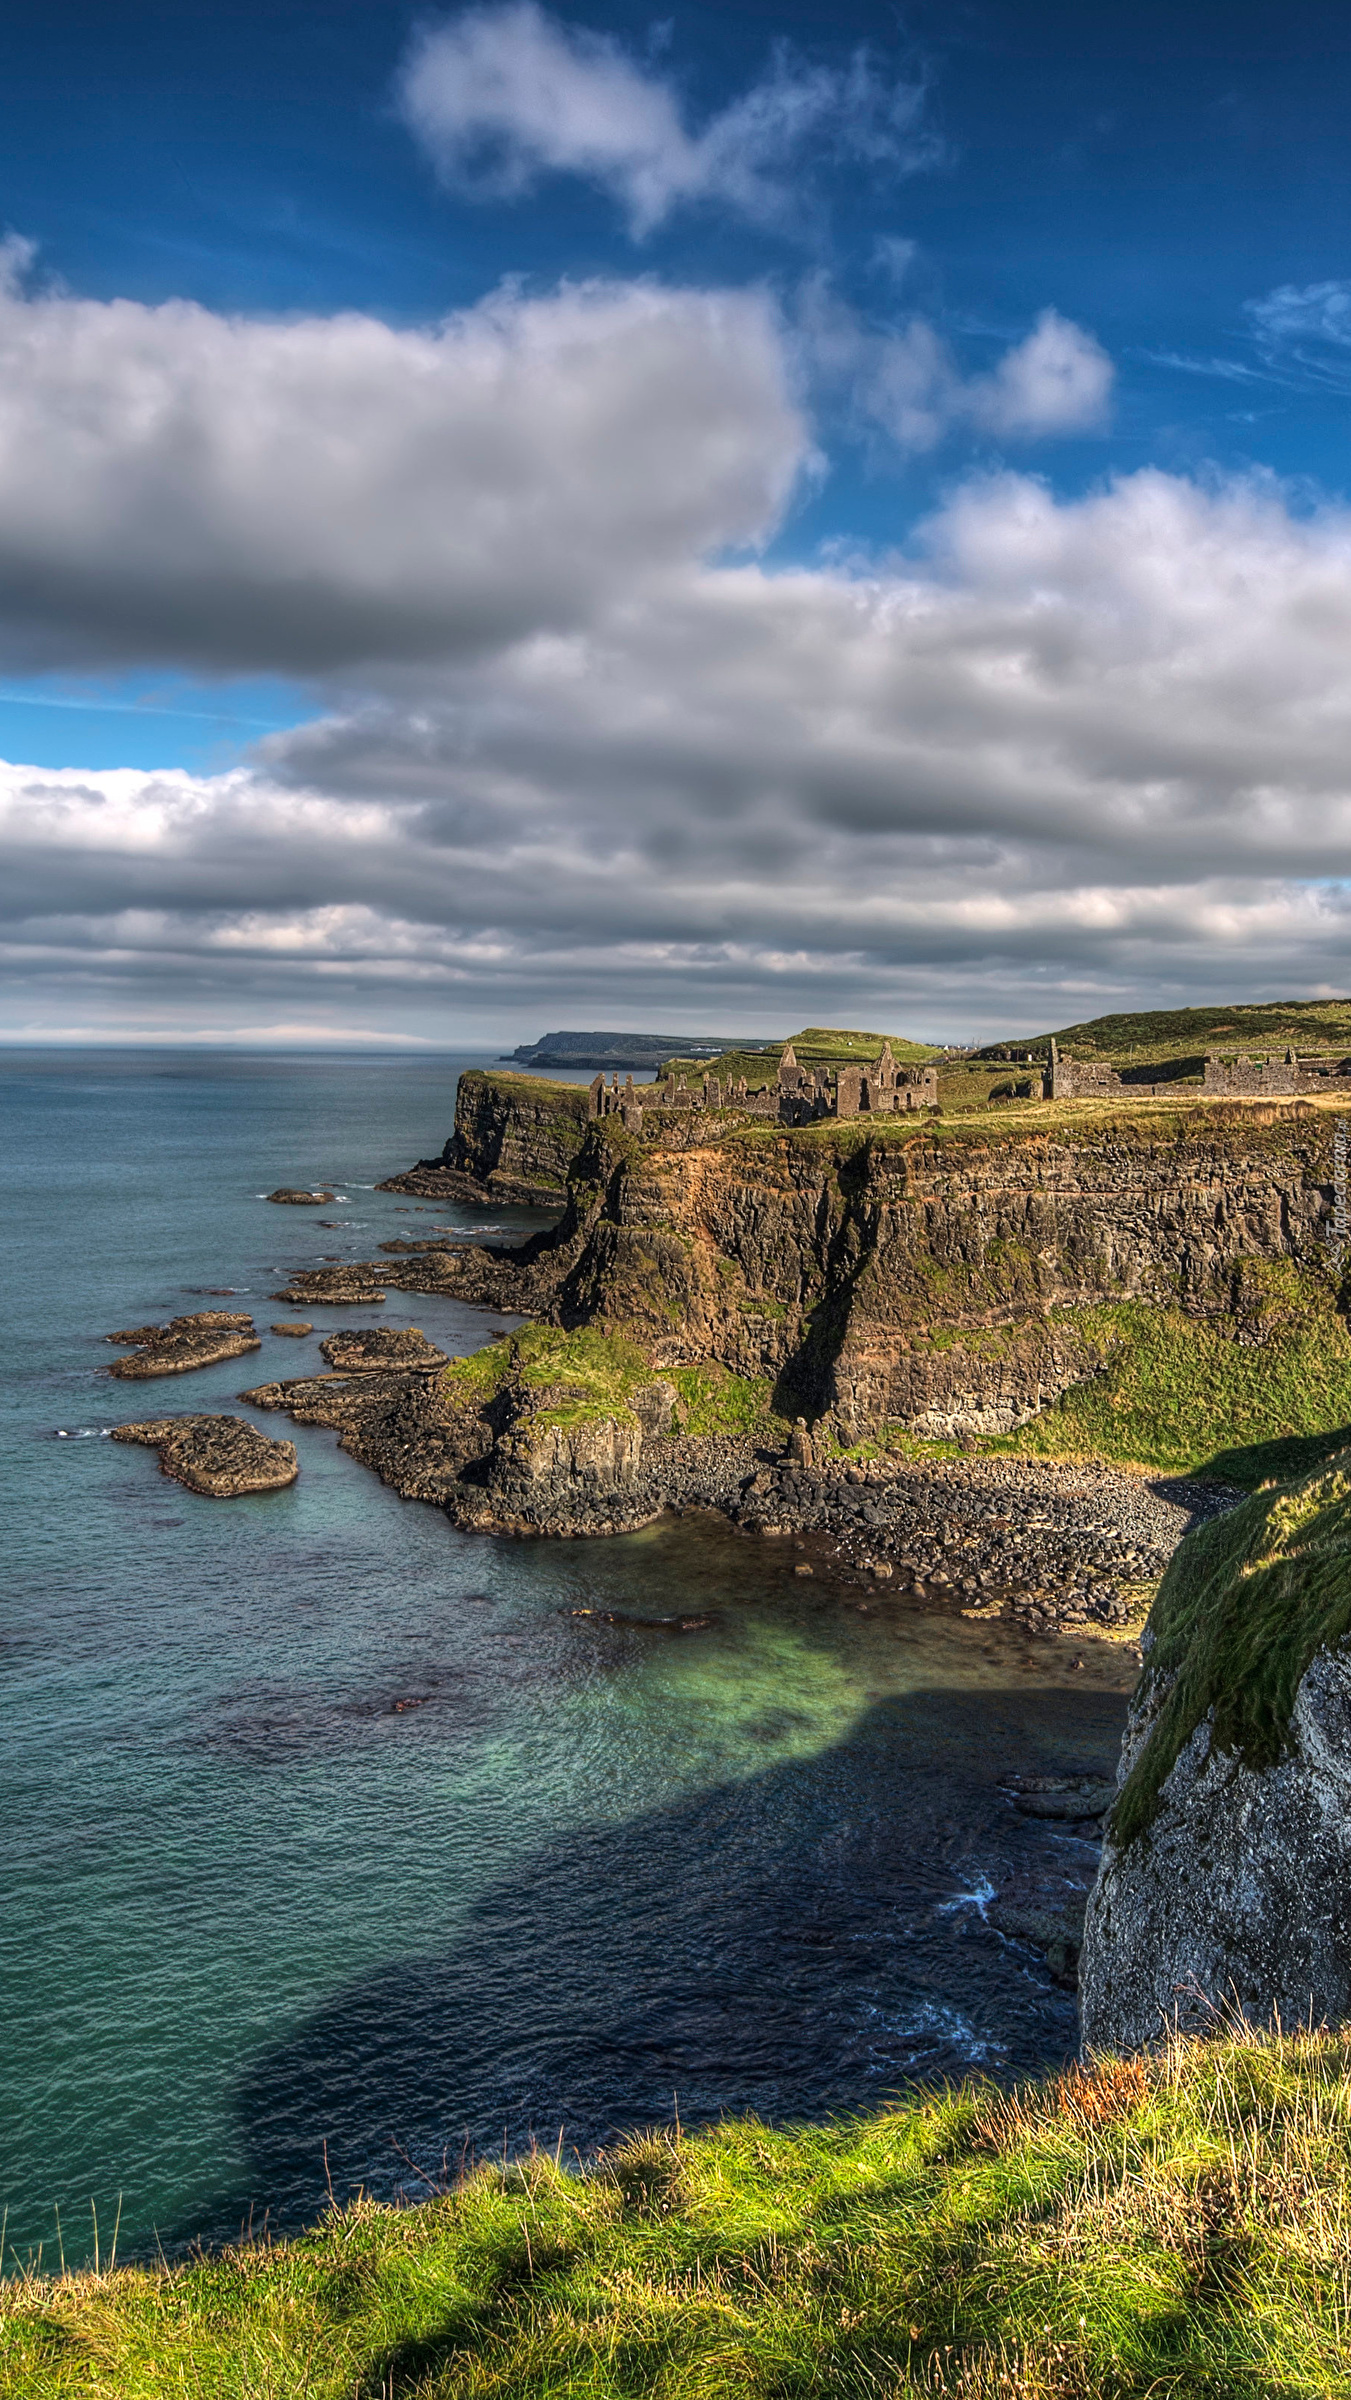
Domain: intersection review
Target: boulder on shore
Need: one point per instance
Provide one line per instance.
(222, 1457)
(1225, 1883)
(184, 1343)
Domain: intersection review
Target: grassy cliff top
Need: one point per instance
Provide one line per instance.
(1173, 2224)
(542, 1091)
(1246, 1602)
(815, 1046)
(1136, 1039)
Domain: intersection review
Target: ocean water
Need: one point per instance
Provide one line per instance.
(332, 1847)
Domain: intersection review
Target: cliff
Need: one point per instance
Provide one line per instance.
(514, 1141)
(1226, 1877)
(952, 1278)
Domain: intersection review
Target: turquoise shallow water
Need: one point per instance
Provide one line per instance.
(325, 1831)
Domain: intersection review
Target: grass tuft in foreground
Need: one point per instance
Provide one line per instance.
(1172, 2225)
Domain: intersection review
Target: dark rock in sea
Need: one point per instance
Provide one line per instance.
(286, 1198)
(293, 1326)
(1067, 1799)
(616, 1616)
(385, 1346)
(331, 1287)
(221, 1457)
(184, 1343)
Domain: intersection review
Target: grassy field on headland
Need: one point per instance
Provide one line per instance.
(1175, 2225)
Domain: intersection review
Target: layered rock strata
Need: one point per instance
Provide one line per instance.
(514, 1143)
(182, 1344)
(932, 1277)
(221, 1457)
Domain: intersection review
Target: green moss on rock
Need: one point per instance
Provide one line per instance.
(1246, 1602)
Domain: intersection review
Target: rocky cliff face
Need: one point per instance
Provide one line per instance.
(1226, 1877)
(925, 1275)
(514, 1142)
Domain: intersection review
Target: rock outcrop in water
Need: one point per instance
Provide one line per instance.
(1226, 1878)
(184, 1343)
(221, 1457)
(286, 1197)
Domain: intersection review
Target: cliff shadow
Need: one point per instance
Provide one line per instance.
(1279, 1461)
(799, 1944)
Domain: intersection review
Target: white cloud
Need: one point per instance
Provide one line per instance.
(1076, 756)
(1058, 380)
(501, 96)
(314, 493)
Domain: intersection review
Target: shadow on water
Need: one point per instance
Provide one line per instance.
(798, 1945)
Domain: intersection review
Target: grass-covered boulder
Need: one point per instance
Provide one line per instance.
(1226, 1877)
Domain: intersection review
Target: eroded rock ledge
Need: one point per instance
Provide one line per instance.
(184, 1343)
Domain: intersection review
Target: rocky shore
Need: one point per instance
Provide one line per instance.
(1050, 1547)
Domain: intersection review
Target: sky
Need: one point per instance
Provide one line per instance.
(753, 516)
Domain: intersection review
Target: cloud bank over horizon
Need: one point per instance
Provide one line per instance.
(595, 731)
(1063, 753)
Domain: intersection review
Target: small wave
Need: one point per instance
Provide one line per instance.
(979, 1899)
(82, 1433)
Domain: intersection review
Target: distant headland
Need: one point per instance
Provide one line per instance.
(629, 1050)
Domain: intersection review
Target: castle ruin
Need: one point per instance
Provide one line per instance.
(1237, 1079)
(798, 1095)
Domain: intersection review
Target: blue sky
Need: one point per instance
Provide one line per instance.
(1008, 259)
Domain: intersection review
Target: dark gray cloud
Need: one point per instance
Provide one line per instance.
(313, 494)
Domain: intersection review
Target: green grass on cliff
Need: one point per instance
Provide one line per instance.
(1245, 1400)
(815, 1046)
(1173, 2226)
(588, 1374)
(1173, 1033)
(1244, 1605)
(592, 1374)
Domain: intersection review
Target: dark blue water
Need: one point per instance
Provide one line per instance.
(320, 1823)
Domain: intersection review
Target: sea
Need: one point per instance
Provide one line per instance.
(336, 1852)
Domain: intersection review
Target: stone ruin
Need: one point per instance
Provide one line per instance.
(797, 1096)
(1238, 1079)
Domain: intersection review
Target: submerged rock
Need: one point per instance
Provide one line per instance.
(184, 1343)
(222, 1457)
(1225, 1883)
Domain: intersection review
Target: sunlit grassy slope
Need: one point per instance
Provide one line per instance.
(1175, 1033)
(1173, 2226)
(1185, 1393)
(816, 1046)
